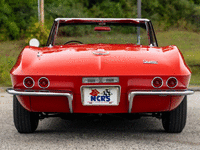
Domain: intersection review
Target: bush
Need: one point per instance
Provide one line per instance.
(17, 17)
(172, 13)
(39, 32)
(114, 9)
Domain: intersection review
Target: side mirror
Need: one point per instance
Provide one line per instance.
(34, 42)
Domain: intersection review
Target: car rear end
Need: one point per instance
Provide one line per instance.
(117, 94)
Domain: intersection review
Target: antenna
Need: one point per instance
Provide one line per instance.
(139, 16)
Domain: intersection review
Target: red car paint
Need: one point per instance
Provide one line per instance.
(66, 65)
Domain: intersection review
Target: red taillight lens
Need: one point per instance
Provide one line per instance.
(157, 82)
(28, 82)
(172, 82)
(43, 82)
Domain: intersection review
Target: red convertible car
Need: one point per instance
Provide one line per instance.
(100, 66)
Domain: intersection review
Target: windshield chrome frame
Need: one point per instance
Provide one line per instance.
(149, 27)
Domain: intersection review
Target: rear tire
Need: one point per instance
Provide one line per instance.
(25, 121)
(175, 120)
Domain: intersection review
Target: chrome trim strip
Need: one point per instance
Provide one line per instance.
(176, 93)
(99, 86)
(68, 95)
(115, 79)
(86, 79)
(135, 19)
(100, 79)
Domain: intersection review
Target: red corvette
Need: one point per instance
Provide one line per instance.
(100, 66)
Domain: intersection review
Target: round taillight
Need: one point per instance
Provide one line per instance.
(43, 82)
(28, 82)
(172, 82)
(157, 82)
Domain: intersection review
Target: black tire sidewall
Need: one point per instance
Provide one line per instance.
(24, 121)
(174, 121)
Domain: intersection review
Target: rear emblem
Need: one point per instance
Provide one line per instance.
(150, 62)
(94, 92)
(97, 96)
(100, 52)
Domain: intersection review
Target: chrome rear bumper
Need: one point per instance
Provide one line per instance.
(41, 93)
(70, 95)
(162, 93)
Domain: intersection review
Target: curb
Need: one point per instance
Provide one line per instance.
(3, 89)
(194, 89)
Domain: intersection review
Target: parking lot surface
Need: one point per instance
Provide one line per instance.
(102, 133)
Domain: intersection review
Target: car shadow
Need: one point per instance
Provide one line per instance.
(107, 124)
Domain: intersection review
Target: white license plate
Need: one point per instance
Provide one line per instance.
(100, 95)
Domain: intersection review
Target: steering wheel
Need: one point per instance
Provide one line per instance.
(73, 42)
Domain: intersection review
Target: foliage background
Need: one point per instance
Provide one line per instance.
(176, 22)
(17, 16)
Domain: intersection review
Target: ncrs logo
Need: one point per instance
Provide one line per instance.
(97, 96)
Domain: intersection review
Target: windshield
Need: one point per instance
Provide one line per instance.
(115, 33)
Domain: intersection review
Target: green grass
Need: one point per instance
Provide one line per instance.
(9, 52)
(6, 63)
(11, 48)
(187, 42)
(101, 38)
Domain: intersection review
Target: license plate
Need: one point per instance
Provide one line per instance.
(100, 95)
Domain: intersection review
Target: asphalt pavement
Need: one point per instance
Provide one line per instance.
(110, 134)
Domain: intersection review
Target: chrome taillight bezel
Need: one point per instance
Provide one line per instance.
(168, 81)
(153, 81)
(25, 84)
(46, 79)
